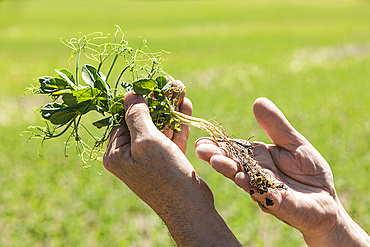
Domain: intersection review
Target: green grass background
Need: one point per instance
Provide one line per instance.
(312, 58)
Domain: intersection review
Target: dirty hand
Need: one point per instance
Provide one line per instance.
(309, 203)
(153, 165)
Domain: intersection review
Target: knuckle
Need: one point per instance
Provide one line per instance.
(111, 162)
(107, 162)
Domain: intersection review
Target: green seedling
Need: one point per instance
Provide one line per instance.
(89, 89)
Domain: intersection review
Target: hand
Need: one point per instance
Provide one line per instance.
(310, 202)
(155, 168)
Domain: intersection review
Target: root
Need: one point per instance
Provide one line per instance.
(241, 150)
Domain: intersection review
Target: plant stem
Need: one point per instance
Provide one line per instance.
(77, 65)
(119, 77)
(63, 131)
(205, 125)
(111, 67)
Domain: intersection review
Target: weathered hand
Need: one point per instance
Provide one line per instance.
(155, 168)
(310, 202)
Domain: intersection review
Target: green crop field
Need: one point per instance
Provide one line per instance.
(312, 58)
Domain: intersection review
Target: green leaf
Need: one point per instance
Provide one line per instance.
(75, 97)
(67, 76)
(102, 76)
(94, 78)
(85, 107)
(152, 102)
(159, 95)
(56, 113)
(163, 84)
(86, 94)
(117, 108)
(144, 86)
(63, 117)
(69, 99)
(103, 122)
(50, 84)
(102, 84)
(49, 109)
(161, 81)
(88, 73)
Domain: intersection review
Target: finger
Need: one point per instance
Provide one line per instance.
(177, 94)
(179, 99)
(210, 151)
(243, 181)
(118, 146)
(173, 95)
(276, 126)
(115, 133)
(226, 166)
(186, 107)
(123, 140)
(137, 116)
(168, 132)
(181, 138)
(206, 147)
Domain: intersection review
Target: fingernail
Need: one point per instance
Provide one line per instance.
(130, 98)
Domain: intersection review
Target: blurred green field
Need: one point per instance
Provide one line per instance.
(311, 58)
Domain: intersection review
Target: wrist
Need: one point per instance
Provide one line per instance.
(345, 232)
(192, 219)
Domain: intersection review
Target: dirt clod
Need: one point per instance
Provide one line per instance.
(269, 202)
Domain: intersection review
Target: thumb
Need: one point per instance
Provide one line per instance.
(137, 116)
(276, 126)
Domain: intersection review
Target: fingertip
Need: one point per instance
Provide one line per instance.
(177, 93)
(276, 125)
(206, 150)
(261, 101)
(262, 108)
(242, 180)
(132, 98)
(178, 84)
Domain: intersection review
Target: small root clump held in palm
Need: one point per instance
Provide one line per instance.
(241, 151)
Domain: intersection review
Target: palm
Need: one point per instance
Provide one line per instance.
(307, 201)
(309, 180)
